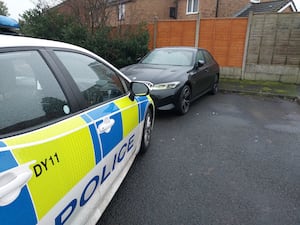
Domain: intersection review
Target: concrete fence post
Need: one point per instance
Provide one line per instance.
(155, 32)
(197, 31)
(250, 20)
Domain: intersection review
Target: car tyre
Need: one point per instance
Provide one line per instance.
(147, 131)
(215, 87)
(184, 101)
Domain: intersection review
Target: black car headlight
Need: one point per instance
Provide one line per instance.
(164, 86)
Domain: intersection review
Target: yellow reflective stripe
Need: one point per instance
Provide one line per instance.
(48, 132)
(150, 99)
(129, 111)
(61, 162)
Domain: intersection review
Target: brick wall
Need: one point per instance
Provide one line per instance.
(287, 10)
(207, 9)
(228, 8)
(143, 11)
(136, 11)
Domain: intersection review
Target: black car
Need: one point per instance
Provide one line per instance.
(179, 75)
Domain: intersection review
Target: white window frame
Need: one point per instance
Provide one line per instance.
(190, 4)
(121, 13)
(193, 2)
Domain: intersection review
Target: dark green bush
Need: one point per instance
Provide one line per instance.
(120, 46)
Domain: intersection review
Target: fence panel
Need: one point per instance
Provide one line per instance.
(274, 48)
(224, 38)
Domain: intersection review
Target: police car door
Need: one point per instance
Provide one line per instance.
(45, 149)
(56, 164)
(113, 121)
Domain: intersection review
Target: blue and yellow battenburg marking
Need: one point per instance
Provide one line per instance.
(9, 214)
(72, 146)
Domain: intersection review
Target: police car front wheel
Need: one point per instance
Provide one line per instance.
(147, 131)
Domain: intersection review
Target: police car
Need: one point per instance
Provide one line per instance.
(71, 126)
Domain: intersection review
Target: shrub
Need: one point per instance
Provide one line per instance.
(120, 46)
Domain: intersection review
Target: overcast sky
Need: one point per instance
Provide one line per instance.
(17, 7)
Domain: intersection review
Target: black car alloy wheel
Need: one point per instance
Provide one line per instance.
(184, 100)
(215, 87)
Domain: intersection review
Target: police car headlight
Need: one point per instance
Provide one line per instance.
(164, 86)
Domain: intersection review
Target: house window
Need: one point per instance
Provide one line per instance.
(192, 6)
(121, 12)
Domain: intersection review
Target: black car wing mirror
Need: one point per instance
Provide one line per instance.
(200, 63)
(138, 89)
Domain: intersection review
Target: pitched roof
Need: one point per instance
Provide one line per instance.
(263, 7)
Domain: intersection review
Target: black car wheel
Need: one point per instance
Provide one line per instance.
(184, 100)
(147, 131)
(215, 87)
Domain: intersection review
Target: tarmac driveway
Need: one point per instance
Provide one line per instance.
(232, 159)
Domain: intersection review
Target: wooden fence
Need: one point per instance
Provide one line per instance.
(224, 38)
(260, 47)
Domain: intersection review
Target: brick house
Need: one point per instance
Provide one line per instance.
(283, 6)
(135, 11)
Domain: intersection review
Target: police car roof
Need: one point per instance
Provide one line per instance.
(7, 41)
(20, 41)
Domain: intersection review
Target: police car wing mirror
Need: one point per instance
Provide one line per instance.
(138, 89)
